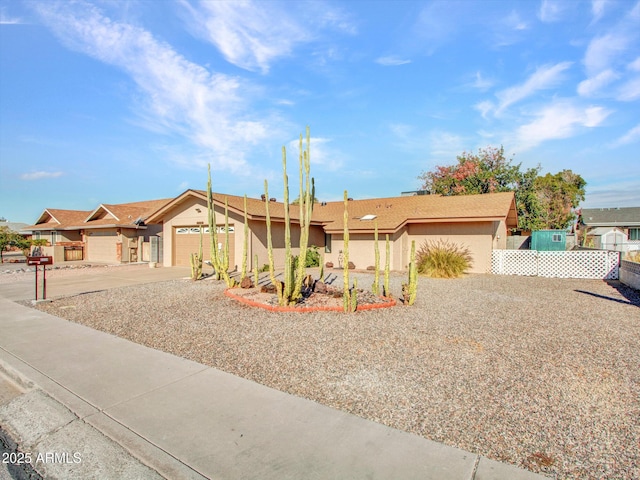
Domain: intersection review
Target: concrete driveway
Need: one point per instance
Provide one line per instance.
(17, 286)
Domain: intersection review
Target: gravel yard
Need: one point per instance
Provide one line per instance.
(541, 373)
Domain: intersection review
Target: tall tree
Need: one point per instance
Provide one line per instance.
(542, 202)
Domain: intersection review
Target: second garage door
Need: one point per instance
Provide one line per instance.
(101, 246)
(186, 240)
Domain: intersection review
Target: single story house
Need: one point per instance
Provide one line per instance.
(109, 233)
(626, 219)
(608, 238)
(478, 222)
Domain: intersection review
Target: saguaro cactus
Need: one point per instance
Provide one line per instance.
(346, 298)
(410, 289)
(307, 195)
(255, 270)
(376, 250)
(219, 260)
(387, 264)
(272, 273)
(196, 262)
(245, 245)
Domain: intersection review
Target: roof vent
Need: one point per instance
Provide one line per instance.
(272, 199)
(323, 204)
(263, 197)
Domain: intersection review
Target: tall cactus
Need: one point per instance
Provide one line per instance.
(346, 298)
(196, 262)
(255, 270)
(410, 289)
(224, 262)
(387, 264)
(376, 250)
(307, 195)
(272, 273)
(245, 245)
(213, 231)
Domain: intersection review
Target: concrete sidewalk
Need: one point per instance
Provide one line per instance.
(128, 411)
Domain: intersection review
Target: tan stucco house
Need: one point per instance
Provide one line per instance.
(479, 222)
(109, 233)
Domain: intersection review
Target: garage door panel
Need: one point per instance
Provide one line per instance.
(186, 240)
(101, 246)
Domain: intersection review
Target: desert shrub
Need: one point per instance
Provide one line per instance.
(633, 256)
(443, 259)
(312, 258)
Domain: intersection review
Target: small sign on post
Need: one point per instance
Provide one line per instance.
(36, 262)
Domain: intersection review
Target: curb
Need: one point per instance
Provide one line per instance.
(390, 302)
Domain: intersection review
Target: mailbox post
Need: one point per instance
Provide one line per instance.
(36, 262)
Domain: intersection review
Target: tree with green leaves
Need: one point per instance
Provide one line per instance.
(542, 202)
(10, 238)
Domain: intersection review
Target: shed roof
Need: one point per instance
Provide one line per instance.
(611, 217)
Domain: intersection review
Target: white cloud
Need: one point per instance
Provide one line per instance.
(179, 96)
(485, 108)
(39, 175)
(603, 51)
(597, 9)
(253, 34)
(561, 119)
(591, 86)
(630, 90)
(543, 78)
(551, 10)
(631, 136)
(6, 19)
(323, 157)
(482, 83)
(634, 65)
(392, 61)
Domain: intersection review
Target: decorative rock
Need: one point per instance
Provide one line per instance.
(351, 265)
(371, 267)
(320, 287)
(246, 283)
(268, 289)
(329, 265)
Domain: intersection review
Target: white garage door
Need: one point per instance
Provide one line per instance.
(186, 240)
(101, 246)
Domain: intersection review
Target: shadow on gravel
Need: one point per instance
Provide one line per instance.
(631, 295)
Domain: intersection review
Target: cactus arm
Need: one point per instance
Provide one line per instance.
(376, 251)
(346, 297)
(387, 264)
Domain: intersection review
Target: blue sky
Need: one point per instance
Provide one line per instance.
(113, 101)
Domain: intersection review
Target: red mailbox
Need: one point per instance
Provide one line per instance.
(36, 262)
(39, 260)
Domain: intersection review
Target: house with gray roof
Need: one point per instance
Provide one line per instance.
(626, 219)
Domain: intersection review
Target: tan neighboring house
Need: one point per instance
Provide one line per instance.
(479, 222)
(110, 233)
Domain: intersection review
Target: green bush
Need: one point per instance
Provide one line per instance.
(443, 259)
(312, 258)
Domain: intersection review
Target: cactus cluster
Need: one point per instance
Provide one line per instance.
(289, 291)
(219, 259)
(196, 262)
(376, 250)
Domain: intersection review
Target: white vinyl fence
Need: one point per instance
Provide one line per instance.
(570, 264)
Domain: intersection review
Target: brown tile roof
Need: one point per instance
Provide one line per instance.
(57, 219)
(394, 212)
(124, 215)
(391, 213)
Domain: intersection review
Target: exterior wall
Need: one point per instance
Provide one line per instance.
(258, 242)
(362, 250)
(478, 237)
(630, 274)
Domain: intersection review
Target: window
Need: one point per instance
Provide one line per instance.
(182, 231)
(54, 236)
(634, 234)
(556, 237)
(327, 243)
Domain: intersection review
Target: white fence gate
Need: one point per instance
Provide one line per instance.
(571, 264)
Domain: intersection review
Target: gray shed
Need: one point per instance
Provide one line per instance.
(608, 238)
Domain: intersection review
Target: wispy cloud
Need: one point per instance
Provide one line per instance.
(597, 9)
(629, 91)
(392, 61)
(544, 77)
(631, 136)
(551, 10)
(179, 97)
(323, 154)
(591, 86)
(560, 119)
(6, 19)
(252, 34)
(40, 175)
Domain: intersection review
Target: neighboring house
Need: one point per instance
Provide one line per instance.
(626, 219)
(478, 222)
(21, 228)
(608, 238)
(110, 233)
